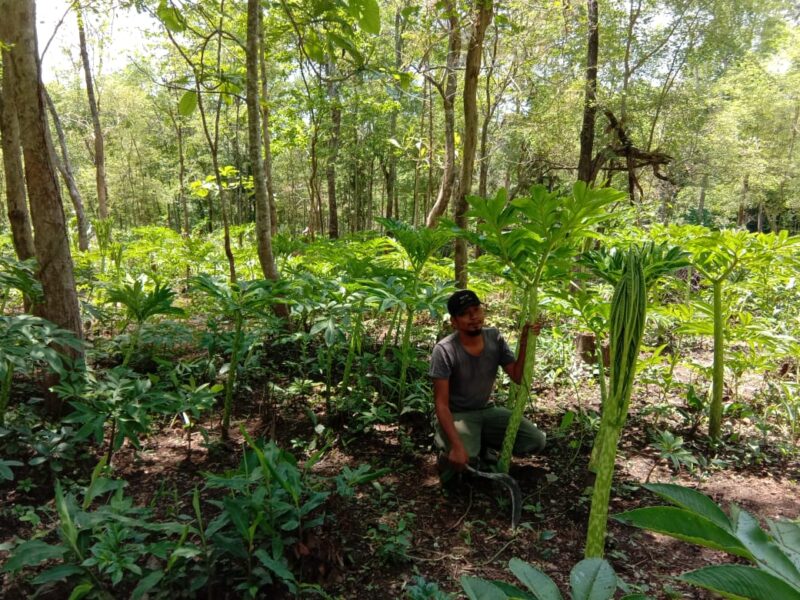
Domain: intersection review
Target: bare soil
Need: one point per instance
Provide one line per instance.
(443, 535)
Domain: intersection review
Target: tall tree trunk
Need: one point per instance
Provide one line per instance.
(741, 217)
(263, 229)
(333, 150)
(99, 149)
(482, 16)
(388, 180)
(585, 168)
(391, 176)
(448, 94)
(16, 202)
(701, 202)
(65, 168)
(55, 272)
(265, 116)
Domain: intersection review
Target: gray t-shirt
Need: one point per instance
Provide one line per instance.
(471, 377)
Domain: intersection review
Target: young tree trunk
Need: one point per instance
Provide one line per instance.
(391, 175)
(65, 168)
(701, 202)
(60, 302)
(585, 167)
(482, 16)
(448, 94)
(333, 150)
(263, 229)
(265, 116)
(99, 149)
(16, 202)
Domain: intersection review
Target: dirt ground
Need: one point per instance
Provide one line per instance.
(442, 535)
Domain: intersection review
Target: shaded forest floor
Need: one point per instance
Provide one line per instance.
(403, 525)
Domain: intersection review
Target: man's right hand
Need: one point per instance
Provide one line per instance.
(458, 457)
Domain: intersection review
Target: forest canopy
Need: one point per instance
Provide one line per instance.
(696, 108)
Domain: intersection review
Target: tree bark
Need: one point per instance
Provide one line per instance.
(55, 271)
(585, 167)
(99, 148)
(16, 201)
(333, 150)
(265, 116)
(482, 16)
(263, 229)
(65, 168)
(448, 94)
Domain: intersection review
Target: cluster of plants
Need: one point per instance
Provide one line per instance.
(172, 341)
(105, 545)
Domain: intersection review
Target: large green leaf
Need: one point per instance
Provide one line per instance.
(693, 501)
(739, 581)
(767, 554)
(540, 585)
(593, 579)
(171, 17)
(187, 104)
(684, 525)
(787, 535)
(479, 589)
(32, 553)
(368, 14)
(147, 583)
(58, 573)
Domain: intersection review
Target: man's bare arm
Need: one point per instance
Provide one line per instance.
(458, 456)
(516, 368)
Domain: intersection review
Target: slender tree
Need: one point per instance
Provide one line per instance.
(55, 272)
(263, 229)
(94, 108)
(590, 94)
(447, 90)
(65, 168)
(16, 202)
(482, 13)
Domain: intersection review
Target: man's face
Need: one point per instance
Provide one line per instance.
(470, 321)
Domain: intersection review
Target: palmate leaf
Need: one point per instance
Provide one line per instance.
(740, 581)
(684, 525)
(141, 304)
(419, 244)
(493, 214)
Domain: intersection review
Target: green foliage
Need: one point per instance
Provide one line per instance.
(696, 519)
(142, 305)
(21, 276)
(536, 238)
(236, 303)
(25, 342)
(590, 579)
(117, 399)
(628, 313)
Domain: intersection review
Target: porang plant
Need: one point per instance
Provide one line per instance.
(141, 305)
(236, 303)
(418, 244)
(535, 239)
(633, 271)
(716, 256)
(695, 518)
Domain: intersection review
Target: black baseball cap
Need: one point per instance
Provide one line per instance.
(461, 301)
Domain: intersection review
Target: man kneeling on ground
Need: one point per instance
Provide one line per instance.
(463, 368)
